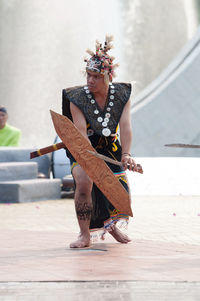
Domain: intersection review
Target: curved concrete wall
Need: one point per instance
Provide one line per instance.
(156, 31)
(168, 111)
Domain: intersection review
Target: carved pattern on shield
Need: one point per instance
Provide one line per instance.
(96, 168)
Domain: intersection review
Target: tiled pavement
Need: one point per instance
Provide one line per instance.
(161, 263)
(101, 291)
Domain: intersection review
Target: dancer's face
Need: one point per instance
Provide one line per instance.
(95, 82)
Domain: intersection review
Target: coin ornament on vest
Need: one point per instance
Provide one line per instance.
(104, 121)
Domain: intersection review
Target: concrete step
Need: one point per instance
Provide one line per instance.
(22, 154)
(30, 190)
(13, 171)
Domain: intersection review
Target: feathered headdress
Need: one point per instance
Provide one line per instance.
(100, 61)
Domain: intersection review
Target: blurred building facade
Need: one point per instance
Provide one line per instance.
(43, 42)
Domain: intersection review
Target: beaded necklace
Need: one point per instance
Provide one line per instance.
(103, 120)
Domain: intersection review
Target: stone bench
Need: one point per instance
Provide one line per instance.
(12, 171)
(29, 190)
(20, 154)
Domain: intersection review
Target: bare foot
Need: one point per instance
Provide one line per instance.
(119, 236)
(83, 241)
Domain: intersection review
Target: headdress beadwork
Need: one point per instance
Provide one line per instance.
(101, 62)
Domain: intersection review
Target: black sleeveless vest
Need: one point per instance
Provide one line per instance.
(77, 96)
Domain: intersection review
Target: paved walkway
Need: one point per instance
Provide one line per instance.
(161, 263)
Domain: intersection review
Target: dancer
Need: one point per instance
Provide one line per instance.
(99, 109)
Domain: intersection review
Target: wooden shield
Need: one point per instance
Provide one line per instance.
(95, 168)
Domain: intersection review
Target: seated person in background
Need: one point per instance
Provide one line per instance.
(9, 135)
